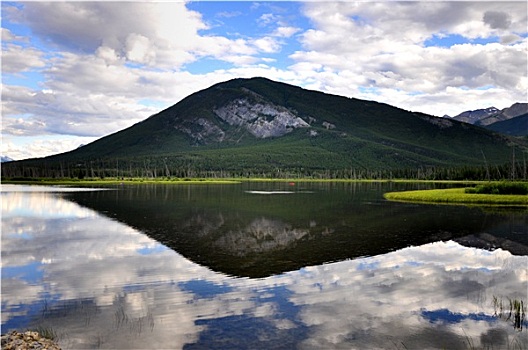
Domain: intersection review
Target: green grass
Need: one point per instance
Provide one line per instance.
(115, 181)
(456, 196)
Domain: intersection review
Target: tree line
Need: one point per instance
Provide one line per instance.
(152, 168)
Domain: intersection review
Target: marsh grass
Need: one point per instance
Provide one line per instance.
(514, 310)
(457, 196)
(47, 332)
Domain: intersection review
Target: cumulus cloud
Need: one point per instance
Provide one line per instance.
(285, 31)
(8, 36)
(40, 146)
(34, 113)
(387, 44)
(140, 32)
(16, 59)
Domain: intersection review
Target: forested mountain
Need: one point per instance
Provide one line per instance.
(517, 126)
(255, 127)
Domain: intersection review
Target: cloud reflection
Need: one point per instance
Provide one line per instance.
(88, 278)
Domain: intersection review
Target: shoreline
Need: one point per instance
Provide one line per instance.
(178, 181)
(27, 340)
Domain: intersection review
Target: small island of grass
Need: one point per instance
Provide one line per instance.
(500, 193)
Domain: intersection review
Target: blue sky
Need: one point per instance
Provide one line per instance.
(73, 72)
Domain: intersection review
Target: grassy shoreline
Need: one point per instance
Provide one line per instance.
(119, 181)
(115, 181)
(456, 196)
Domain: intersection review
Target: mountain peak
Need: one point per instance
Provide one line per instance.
(490, 115)
(474, 116)
(5, 159)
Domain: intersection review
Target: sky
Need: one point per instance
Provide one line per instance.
(73, 72)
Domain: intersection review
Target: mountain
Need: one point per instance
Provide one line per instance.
(517, 126)
(473, 117)
(490, 115)
(5, 159)
(261, 127)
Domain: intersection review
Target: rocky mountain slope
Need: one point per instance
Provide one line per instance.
(496, 120)
(490, 115)
(474, 117)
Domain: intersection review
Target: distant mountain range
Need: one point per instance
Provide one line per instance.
(5, 159)
(250, 127)
(511, 121)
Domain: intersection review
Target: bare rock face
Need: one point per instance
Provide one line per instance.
(261, 235)
(440, 122)
(260, 119)
(202, 131)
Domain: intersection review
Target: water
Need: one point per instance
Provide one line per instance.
(260, 266)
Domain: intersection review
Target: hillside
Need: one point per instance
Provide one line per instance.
(258, 126)
(517, 126)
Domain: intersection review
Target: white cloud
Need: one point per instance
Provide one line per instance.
(266, 45)
(384, 44)
(285, 32)
(41, 145)
(139, 49)
(8, 36)
(16, 59)
(163, 34)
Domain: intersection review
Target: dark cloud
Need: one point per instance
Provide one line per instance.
(497, 20)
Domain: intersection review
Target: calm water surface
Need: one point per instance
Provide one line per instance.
(260, 266)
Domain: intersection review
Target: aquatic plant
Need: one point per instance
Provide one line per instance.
(515, 311)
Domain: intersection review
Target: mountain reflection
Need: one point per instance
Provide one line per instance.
(260, 235)
(99, 283)
(234, 230)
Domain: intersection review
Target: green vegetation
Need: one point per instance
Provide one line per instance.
(500, 188)
(457, 196)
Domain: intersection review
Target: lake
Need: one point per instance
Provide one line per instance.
(261, 265)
